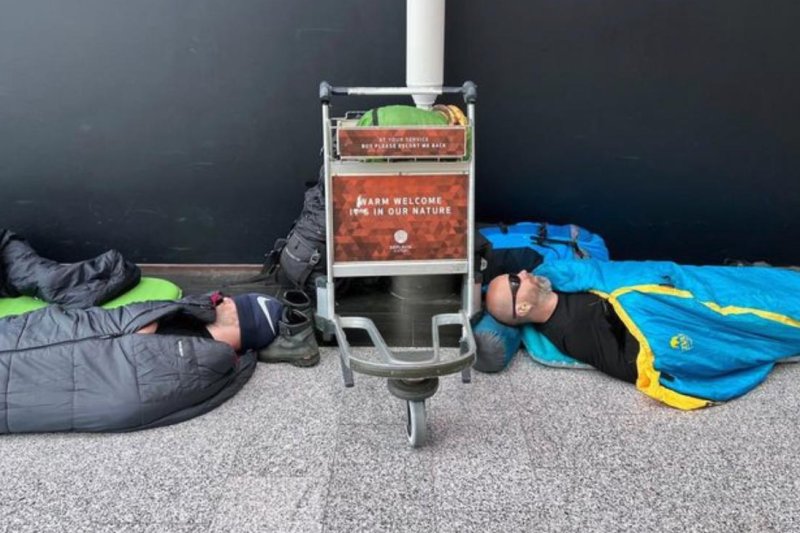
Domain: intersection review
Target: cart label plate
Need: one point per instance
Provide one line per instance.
(409, 143)
(400, 217)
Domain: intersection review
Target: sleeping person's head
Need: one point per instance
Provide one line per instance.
(247, 321)
(520, 298)
(258, 316)
(244, 322)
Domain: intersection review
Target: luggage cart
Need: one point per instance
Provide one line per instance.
(399, 201)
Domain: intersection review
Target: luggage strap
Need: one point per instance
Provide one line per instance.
(268, 270)
(542, 237)
(312, 262)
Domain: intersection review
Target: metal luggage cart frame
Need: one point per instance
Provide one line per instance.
(412, 375)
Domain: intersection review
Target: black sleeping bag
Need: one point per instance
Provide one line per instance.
(87, 370)
(81, 284)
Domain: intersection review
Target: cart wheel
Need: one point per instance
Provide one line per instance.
(416, 426)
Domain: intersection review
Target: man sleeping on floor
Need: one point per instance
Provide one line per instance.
(77, 367)
(687, 336)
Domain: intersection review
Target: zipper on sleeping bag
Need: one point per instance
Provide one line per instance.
(105, 336)
(62, 343)
(184, 304)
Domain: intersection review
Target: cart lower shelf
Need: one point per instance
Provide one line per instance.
(412, 375)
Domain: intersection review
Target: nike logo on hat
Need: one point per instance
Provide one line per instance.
(262, 302)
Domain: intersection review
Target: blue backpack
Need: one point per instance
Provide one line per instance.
(524, 246)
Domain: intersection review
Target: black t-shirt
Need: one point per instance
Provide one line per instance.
(585, 327)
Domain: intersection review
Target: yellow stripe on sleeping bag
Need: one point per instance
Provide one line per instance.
(767, 315)
(648, 377)
(727, 310)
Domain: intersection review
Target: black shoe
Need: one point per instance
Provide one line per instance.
(295, 344)
(297, 300)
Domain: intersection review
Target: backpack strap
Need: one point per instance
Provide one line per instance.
(542, 237)
(541, 234)
(268, 270)
(574, 233)
(312, 262)
(272, 257)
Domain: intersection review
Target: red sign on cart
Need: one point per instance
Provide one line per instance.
(402, 142)
(400, 217)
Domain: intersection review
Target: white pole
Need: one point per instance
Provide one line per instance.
(424, 48)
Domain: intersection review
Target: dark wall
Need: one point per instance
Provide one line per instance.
(671, 127)
(183, 131)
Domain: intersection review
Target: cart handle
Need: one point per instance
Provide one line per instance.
(326, 91)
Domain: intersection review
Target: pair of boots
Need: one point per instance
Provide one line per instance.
(295, 343)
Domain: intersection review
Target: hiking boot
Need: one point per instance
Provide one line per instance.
(295, 343)
(298, 300)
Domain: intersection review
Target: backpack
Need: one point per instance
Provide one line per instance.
(297, 260)
(503, 249)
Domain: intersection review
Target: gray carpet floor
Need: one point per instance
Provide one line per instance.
(529, 449)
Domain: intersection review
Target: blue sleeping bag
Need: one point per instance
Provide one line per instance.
(706, 334)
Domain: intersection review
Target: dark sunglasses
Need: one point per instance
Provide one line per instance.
(514, 282)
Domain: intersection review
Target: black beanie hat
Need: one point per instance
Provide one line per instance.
(258, 319)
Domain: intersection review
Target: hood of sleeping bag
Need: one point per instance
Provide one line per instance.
(707, 334)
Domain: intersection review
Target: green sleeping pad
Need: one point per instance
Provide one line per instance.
(148, 289)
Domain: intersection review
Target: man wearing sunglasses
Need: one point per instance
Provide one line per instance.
(581, 325)
(688, 336)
